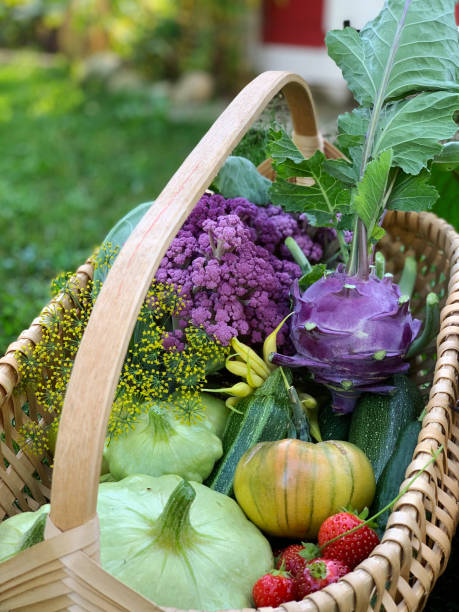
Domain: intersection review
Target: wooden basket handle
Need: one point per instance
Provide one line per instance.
(99, 360)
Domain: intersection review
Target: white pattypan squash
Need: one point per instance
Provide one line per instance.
(180, 544)
(15, 532)
(177, 543)
(160, 444)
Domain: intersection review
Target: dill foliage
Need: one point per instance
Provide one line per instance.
(156, 367)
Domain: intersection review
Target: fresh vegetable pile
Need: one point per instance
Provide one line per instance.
(265, 407)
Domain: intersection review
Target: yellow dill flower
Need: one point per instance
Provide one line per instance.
(33, 437)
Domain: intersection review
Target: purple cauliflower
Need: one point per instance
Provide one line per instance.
(232, 268)
(351, 333)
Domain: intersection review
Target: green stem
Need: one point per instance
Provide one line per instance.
(353, 263)
(389, 505)
(380, 263)
(431, 326)
(389, 188)
(379, 101)
(363, 266)
(343, 246)
(174, 521)
(300, 419)
(408, 278)
(298, 254)
(360, 261)
(311, 407)
(159, 424)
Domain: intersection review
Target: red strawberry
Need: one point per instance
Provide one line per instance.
(273, 589)
(318, 574)
(290, 559)
(294, 558)
(351, 549)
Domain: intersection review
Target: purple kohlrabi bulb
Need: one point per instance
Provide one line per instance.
(351, 333)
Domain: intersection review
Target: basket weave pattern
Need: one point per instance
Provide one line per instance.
(63, 573)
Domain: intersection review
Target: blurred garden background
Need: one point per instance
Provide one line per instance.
(101, 100)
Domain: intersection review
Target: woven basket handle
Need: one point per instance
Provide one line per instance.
(103, 347)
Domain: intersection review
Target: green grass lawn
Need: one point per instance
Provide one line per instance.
(73, 162)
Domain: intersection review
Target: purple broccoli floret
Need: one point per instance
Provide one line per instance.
(351, 333)
(232, 268)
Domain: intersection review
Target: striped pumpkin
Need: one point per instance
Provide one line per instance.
(289, 487)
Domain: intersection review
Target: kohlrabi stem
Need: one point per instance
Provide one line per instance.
(363, 265)
(390, 504)
(352, 264)
(430, 329)
(408, 278)
(298, 254)
(380, 96)
(380, 264)
(389, 188)
(359, 262)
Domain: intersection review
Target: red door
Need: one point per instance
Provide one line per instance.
(293, 22)
(297, 22)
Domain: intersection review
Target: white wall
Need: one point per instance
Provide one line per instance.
(358, 12)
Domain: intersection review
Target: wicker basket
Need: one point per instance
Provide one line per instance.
(63, 573)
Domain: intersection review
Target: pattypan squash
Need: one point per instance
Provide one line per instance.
(160, 444)
(21, 531)
(180, 544)
(177, 543)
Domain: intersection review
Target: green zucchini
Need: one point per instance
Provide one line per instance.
(378, 419)
(263, 416)
(393, 474)
(333, 426)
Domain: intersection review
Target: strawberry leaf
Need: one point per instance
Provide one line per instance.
(310, 551)
(318, 570)
(281, 571)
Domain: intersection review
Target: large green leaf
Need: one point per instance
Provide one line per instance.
(323, 199)
(281, 147)
(239, 178)
(411, 128)
(412, 193)
(368, 199)
(447, 185)
(411, 46)
(343, 170)
(448, 158)
(114, 240)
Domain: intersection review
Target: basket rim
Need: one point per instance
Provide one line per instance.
(393, 557)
